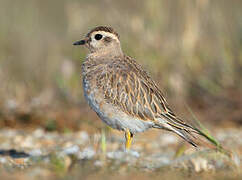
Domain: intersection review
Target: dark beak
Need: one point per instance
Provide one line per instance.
(81, 42)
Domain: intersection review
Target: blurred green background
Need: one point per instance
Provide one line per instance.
(193, 50)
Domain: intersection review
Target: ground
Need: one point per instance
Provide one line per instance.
(37, 154)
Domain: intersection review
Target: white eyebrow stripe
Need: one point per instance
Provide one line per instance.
(113, 36)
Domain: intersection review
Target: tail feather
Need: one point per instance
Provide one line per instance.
(182, 129)
(186, 135)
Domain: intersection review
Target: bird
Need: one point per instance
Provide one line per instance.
(122, 93)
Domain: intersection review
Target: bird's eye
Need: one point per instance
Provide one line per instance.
(98, 36)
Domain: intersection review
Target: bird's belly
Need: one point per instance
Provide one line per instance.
(112, 115)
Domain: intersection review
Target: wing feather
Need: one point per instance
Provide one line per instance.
(128, 86)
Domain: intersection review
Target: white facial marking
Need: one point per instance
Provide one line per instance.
(96, 43)
(104, 33)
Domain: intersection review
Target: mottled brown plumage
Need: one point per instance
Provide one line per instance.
(122, 93)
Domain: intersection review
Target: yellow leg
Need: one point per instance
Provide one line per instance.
(128, 137)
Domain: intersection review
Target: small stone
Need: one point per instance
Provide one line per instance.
(200, 164)
(124, 155)
(18, 139)
(98, 163)
(38, 133)
(133, 153)
(84, 136)
(87, 153)
(3, 160)
(115, 155)
(35, 152)
(28, 142)
(81, 137)
(71, 150)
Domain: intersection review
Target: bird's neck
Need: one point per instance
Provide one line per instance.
(97, 60)
(107, 52)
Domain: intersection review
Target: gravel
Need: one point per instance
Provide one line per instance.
(44, 151)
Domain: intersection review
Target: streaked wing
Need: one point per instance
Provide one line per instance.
(128, 86)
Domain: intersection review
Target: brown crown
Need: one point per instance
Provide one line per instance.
(105, 29)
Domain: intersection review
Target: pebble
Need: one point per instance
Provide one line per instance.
(98, 163)
(200, 164)
(27, 142)
(115, 155)
(71, 150)
(38, 133)
(35, 152)
(134, 153)
(86, 153)
(123, 155)
(3, 160)
(23, 147)
(83, 137)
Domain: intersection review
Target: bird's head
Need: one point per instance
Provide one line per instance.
(101, 39)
